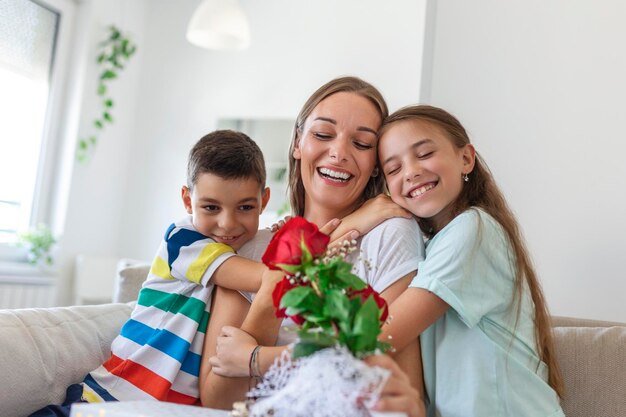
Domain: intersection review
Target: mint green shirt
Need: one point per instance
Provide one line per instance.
(477, 362)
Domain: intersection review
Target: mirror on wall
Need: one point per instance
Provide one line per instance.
(273, 137)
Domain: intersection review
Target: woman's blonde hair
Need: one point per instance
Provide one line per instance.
(338, 85)
(481, 191)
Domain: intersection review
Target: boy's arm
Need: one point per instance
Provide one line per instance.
(239, 274)
(372, 213)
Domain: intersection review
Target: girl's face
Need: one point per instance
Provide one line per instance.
(424, 169)
(337, 152)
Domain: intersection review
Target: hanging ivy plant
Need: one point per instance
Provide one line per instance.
(115, 53)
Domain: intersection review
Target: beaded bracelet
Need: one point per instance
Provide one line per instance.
(253, 364)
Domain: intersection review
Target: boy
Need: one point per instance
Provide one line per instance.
(157, 354)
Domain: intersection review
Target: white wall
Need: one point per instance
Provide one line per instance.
(297, 45)
(96, 193)
(173, 93)
(540, 85)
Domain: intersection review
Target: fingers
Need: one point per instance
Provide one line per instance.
(400, 404)
(330, 227)
(386, 362)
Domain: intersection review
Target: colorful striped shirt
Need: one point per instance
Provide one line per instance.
(157, 353)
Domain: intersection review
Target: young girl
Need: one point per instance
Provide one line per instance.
(476, 302)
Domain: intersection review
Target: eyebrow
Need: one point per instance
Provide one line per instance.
(360, 128)
(212, 200)
(415, 145)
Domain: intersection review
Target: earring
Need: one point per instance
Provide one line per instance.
(375, 172)
(465, 177)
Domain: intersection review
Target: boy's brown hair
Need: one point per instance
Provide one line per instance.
(227, 154)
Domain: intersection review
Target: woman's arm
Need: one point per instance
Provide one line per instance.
(229, 308)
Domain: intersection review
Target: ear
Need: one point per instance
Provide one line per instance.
(186, 196)
(469, 158)
(265, 198)
(297, 154)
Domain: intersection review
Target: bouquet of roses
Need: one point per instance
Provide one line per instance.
(339, 318)
(331, 305)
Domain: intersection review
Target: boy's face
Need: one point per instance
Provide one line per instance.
(226, 210)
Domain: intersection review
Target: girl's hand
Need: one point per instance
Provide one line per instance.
(372, 213)
(234, 347)
(397, 395)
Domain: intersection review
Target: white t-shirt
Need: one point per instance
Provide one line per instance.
(387, 253)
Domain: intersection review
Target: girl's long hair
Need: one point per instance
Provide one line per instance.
(343, 84)
(481, 191)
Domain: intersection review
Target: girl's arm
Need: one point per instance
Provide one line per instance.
(372, 213)
(229, 308)
(412, 312)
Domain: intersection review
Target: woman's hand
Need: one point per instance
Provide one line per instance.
(397, 394)
(234, 347)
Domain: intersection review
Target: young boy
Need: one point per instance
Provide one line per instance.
(157, 354)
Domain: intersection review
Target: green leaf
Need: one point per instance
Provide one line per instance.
(97, 124)
(345, 275)
(108, 103)
(307, 258)
(292, 269)
(366, 326)
(82, 144)
(101, 58)
(102, 89)
(317, 338)
(93, 140)
(107, 116)
(301, 350)
(337, 305)
(295, 297)
(108, 75)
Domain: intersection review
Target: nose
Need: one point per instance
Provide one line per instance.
(412, 171)
(227, 221)
(338, 149)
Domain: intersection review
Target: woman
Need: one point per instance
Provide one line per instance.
(333, 171)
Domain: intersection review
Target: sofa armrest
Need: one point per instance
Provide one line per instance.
(43, 351)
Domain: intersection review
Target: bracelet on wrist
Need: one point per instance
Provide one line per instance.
(253, 366)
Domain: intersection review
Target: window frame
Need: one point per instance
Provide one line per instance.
(48, 183)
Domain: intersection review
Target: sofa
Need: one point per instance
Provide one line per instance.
(42, 351)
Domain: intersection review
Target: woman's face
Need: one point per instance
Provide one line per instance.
(337, 152)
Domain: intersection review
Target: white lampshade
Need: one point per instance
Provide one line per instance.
(219, 24)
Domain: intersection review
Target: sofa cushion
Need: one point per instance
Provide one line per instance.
(592, 357)
(46, 350)
(130, 277)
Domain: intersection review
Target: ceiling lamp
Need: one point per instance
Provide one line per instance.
(219, 24)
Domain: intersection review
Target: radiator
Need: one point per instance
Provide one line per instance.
(25, 292)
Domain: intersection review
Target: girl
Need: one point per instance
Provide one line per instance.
(475, 303)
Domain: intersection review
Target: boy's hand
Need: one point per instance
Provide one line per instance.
(234, 347)
(276, 226)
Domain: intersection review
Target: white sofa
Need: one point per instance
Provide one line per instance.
(42, 351)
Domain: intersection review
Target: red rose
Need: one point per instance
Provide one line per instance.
(285, 248)
(281, 289)
(365, 293)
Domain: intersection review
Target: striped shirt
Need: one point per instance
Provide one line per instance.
(157, 353)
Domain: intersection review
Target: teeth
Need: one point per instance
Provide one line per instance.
(335, 174)
(419, 191)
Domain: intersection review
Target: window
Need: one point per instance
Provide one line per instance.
(31, 67)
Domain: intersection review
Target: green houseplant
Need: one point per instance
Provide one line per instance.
(114, 54)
